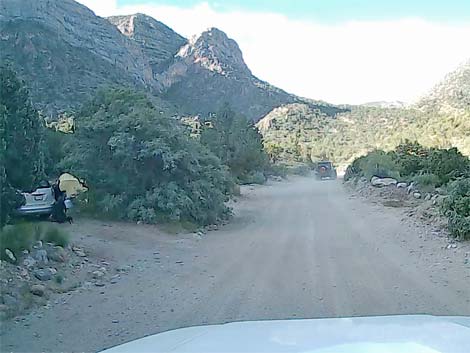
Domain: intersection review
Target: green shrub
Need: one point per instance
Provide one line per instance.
(277, 170)
(459, 226)
(377, 163)
(253, 178)
(236, 141)
(447, 164)
(17, 238)
(111, 206)
(56, 236)
(427, 182)
(59, 278)
(410, 158)
(456, 206)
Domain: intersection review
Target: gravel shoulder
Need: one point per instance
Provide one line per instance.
(295, 249)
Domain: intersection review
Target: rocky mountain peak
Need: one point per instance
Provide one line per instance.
(158, 41)
(215, 51)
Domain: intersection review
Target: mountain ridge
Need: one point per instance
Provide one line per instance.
(64, 52)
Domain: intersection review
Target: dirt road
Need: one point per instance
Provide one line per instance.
(297, 249)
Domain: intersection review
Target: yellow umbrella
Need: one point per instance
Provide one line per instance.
(71, 185)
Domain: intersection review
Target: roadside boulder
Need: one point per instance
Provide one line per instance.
(38, 289)
(10, 255)
(43, 274)
(97, 274)
(78, 251)
(411, 188)
(123, 268)
(417, 195)
(58, 254)
(402, 185)
(380, 182)
(37, 245)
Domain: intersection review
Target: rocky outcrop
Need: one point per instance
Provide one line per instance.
(158, 41)
(209, 71)
(64, 52)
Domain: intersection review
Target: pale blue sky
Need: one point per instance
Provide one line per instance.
(337, 10)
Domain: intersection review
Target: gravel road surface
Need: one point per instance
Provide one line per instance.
(295, 249)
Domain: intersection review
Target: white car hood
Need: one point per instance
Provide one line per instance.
(382, 334)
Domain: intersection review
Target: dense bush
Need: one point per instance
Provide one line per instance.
(430, 167)
(21, 147)
(456, 206)
(444, 164)
(376, 163)
(448, 164)
(141, 165)
(411, 158)
(253, 178)
(237, 142)
(427, 182)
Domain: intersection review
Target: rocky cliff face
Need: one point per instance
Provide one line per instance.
(209, 71)
(64, 52)
(158, 42)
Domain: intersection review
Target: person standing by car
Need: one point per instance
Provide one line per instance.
(59, 210)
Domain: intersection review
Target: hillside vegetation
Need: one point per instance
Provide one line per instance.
(298, 133)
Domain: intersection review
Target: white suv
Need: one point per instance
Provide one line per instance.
(38, 202)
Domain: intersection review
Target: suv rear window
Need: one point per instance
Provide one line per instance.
(324, 164)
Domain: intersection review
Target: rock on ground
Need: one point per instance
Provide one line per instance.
(38, 289)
